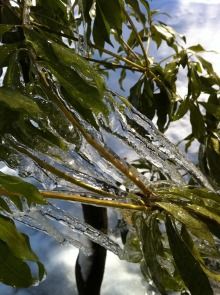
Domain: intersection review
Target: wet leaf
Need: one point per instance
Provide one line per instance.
(196, 226)
(199, 210)
(15, 100)
(188, 266)
(16, 186)
(182, 110)
(5, 28)
(17, 242)
(81, 67)
(196, 48)
(13, 271)
(6, 51)
(154, 254)
(77, 88)
(197, 122)
(12, 77)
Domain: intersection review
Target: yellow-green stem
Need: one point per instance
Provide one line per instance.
(92, 201)
(137, 35)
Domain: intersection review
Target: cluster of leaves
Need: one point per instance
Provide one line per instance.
(48, 87)
(17, 257)
(155, 94)
(178, 240)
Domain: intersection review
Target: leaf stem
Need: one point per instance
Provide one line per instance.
(137, 35)
(92, 201)
(128, 49)
(112, 65)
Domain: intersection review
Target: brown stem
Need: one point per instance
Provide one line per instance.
(104, 152)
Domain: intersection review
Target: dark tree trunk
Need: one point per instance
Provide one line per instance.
(90, 269)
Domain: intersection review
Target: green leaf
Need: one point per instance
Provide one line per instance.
(155, 256)
(206, 195)
(135, 94)
(188, 266)
(195, 252)
(5, 28)
(196, 48)
(199, 210)
(197, 122)
(17, 242)
(112, 12)
(12, 77)
(162, 32)
(206, 65)
(4, 206)
(13, 271)
(77, 88)
(212, 109)
(196, 226)
(75, 75)
(15, 100)
(194, 81)
(108, 16)
(132, 251)
(17, 187)
(137, 11)
(53, 14)
(213, 157)
(182, 110)
(6, 51)
(81, 67)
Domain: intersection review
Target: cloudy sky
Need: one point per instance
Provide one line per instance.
(200, 22)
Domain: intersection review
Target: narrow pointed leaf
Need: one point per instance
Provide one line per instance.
(189, 268)
(197, 227)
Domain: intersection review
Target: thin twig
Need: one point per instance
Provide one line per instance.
(92, 201)
(128, 49)
(137, 35)
(113, 65)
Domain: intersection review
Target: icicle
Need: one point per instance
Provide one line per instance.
(75, 224)
(40, 217)
(84, 45)
(165, 147)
